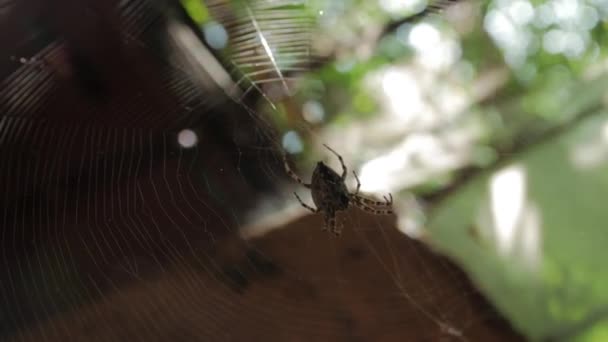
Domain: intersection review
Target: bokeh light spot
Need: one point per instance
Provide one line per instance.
(215, 35)
(313, 111)
(424, 36)
(187, 138)
(292, 143)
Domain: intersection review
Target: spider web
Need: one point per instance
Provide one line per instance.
(111, 230)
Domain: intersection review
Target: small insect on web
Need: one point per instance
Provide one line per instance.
(330, 194)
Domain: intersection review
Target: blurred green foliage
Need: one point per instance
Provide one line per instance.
(196, 10)
(561, 293)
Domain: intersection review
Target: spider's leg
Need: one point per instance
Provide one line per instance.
(305, 205)
(337, 228)
(369, 209)
(358, 183)
(387, 202)
(330, 223)
(292, 174)
(344, 169)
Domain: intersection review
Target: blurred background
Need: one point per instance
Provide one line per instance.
(143, 193)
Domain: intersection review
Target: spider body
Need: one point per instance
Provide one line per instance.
(328, 191)
(330, 194)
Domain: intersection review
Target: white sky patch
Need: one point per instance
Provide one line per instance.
(187, 138)
(507, 201)
(375, 174)
(516, 221)
(575, 44)
(553, 41)
(417, 159)
(424, 36)
(545, 16)
(567, 42)
(403, 93)
(589, 18)
(567, 24)
(435, 52)
(566, 10)
(521, 12)
(511, 33)
(499, 25)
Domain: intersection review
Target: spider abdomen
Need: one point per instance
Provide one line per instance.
(328, 189)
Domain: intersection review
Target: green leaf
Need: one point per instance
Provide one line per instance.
(196, 10)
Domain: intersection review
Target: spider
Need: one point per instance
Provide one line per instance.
(330, 195)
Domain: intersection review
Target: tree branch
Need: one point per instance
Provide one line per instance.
(506, 154)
